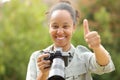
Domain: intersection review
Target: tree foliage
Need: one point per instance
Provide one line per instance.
(22, 31)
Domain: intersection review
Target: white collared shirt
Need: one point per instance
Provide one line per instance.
(80, 67)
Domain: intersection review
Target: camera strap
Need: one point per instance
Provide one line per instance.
(67, 57)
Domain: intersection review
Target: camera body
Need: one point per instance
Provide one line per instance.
(50, 57)
(57, 65)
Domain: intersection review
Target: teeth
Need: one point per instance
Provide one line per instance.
(60, 38)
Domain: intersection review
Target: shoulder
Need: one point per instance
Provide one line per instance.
(82, 49)
(83, 52)
(35, 54)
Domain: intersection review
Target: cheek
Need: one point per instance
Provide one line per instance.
(69, 34)
(52, 32)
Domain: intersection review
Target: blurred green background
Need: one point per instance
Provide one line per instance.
(24, 29)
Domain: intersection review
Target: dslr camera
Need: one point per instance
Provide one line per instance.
(57, 66)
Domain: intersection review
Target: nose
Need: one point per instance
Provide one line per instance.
(60, 31)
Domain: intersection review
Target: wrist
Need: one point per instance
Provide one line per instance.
(42, 76)
(97, 47)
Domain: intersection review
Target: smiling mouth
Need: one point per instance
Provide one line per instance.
(60, 38)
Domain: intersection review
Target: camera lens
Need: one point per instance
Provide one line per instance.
(57, 70)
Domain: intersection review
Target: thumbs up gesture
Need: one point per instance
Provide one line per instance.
(91, 37)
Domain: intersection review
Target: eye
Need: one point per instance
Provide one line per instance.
(55, 26)
(66, 26)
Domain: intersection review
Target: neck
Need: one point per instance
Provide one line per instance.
(64, 48)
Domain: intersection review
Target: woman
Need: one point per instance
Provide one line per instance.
(62, 24)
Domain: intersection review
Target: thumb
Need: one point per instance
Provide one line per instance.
(86, 26)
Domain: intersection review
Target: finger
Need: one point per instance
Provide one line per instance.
(47, 66)
(44, 64)
(92, 34)
(86, 26)
(93, 40)
(41, 57)
(42, 67)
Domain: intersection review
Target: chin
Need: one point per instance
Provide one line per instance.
(60, 45)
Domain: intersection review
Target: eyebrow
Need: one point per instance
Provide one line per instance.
(54, 23)
(63, 23)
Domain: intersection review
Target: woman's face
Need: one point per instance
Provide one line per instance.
(61, 28)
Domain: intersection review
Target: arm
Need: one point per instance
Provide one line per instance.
(94, 42)
(102, 56)
(42, 77)
(101, 61)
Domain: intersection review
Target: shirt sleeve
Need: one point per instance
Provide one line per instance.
(32, 68)
(90, 61)
(94, 67)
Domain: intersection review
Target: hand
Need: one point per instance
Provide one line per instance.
(44, 65)
(91, 37)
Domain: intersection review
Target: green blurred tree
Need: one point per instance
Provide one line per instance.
(22, 31)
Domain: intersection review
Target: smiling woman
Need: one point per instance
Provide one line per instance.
(61, 28)
(81, 61)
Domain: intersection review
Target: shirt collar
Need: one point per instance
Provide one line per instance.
(70, 52)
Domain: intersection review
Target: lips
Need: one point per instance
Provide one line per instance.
(60, 38)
